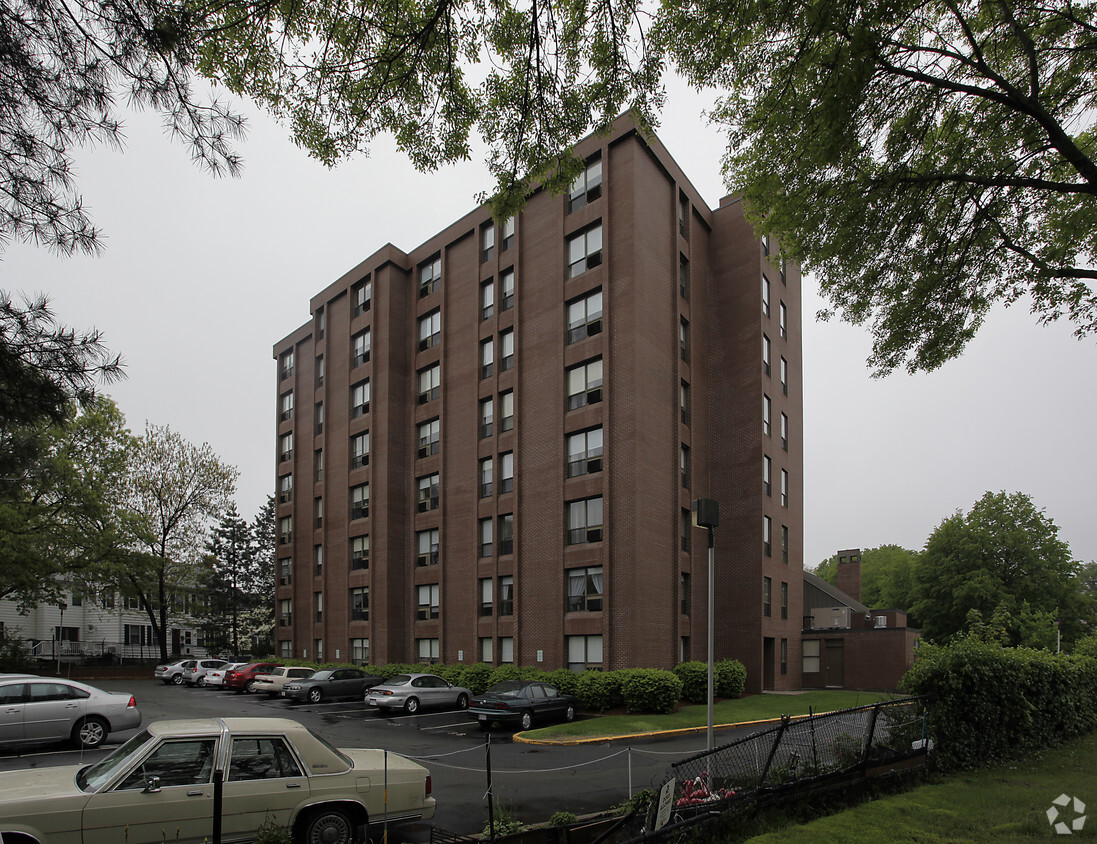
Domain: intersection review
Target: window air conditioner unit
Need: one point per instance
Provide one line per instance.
(881, 621)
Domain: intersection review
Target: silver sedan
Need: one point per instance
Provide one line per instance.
(40, 709)
(411, 691)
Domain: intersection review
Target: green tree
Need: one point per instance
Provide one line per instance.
(176, 489)
(1003, 553)
(262, 578)
(226, 594)
(887, 577)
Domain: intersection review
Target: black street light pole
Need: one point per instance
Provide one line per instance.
(706, 514)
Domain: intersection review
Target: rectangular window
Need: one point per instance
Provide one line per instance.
(430, 276)
(767, 474)
(430, 330)
(487, 597)
(784, 376)
(765, 354)
(683, 276)
(426, 544)
(360, 295)
(584, 589)
(683, 401)
(506, 415)
(487, 417)
(285, 571)
(685, 593)
(319, 371)
(784, 431)
(506, 472)
(487, 477)
(686, 528)
(430, 433)
(811, 651)
(506, 290)
(487, 531)
(783, 319)
(318, 465)
(286, 364)
(285, 612)
(285, 489)
(767, 536)
(506, 595)
(427, 602)
(784, 487)
(784, 600)
(359, 603)
(318, 606)
(766, 410)
(428, 650)
(506, 350)
(767, 596)
(359, 651)
(428, 493)
(587, 186)
(285, 530)
(784, 543)
(506, 533)
(584, 521)
(584, 384)
(360, 348)
(584, 652)
(584, 452)
(506, 234)
(683, 215)
(585, 317)
(487, 655)
(285, 447)
(487, 357)
(487, 299)
(286, 406)
(359, 399)
(359, 450)
(359, 501)
(683, 339)
(318, 511)
(319, 417)
(506, 650)
(683, 465)
(430, 383)
(765, 295)
(584, 251)
(487, 242)
(359, 552)
(784, 656)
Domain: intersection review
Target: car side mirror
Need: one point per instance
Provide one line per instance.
(152, 785)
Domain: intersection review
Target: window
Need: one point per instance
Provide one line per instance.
(359, 651)
(784, 375)
(765, 295)
(360, 295)
(487, 242)
(429, 437)
(286, 406)
(487, 417)
(318, 465)
(318, 511)
(318, 417)
(506, 290)
(430, 330)
(584, 251)
(685, 593)
(587, 186)
(767, 475)
(784, 600)
(359, 501)
(426, 543)
(430, 383)
(506, 234)
(782, 312)
(285, 530)
(686, 528)
(811, 656)
(765, 354)
(584, 652)
(428, 650)
(285, 488)
(784, 543)
(767, 590)
(506, 472)
(784, 272)
(359, 399)
(766, 406)
(767, 535)
(319, 371)
(585, 317)
(428, 493)
(317, 560)
(487, 357)
(285, 612)
(784, 431)
(318, 649)
(506, 350)
(359, 450)
(359, 553)
(360, 348)
(584, 452)
(683, 276)
(506, 595)
(683, 401)
(683, 465)
(487, 545)
(430, 276)
(487, 597)
(784, 487)
(487, 656)
(584, 521)
(506, 534)
(285, 571)
(584, 589)
(765, 245)
(318, 607)
(321, 323)
(585, 384)
(359, 603)
(427, 602)
(487, 476)
(683, 338)
(683, 215)
(285, 446)
(506, 417)
(487, 299)
(506, 650)
(784, 656)
(286, 364)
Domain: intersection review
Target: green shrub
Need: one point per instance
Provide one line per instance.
(15, 657)
(597, 690)
(504, 673)
(651, 690)
(270, 832)
(694, 677)
(565, 680)
(730, 678)
(562, 818)
(476, 677)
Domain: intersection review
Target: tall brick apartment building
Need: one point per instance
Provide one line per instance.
(488, 445)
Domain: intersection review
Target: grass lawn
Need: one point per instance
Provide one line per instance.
(1008, 802)
(751, 708)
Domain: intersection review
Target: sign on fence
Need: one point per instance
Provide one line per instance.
(666, 802)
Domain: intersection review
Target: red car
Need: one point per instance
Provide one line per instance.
(240, 679)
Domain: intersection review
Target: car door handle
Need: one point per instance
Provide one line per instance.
(293, 785)
(198, 793)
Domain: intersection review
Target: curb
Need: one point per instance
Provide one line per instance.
(521, 738)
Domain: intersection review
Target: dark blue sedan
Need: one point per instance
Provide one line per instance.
(520, 703)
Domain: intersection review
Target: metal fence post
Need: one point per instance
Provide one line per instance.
(773, 750)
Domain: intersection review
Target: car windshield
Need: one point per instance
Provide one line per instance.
(510, 688)
(398, 680)
(322, 675)
(94, 777)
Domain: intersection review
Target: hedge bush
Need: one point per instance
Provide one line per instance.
(597, 690)
(992, 702)
(730, 678)
(651, 690)
(694, 678)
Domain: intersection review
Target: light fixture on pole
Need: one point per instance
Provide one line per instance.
(706, 514)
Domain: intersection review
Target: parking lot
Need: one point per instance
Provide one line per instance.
(530, 782)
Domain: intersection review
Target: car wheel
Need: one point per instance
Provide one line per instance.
(462, 701)
(329, 826)
(249, 686)
(177, 679)
(201, 682)
(526, 721)
(569, 714)
(315, 695)
(411, 705)
(91, 732)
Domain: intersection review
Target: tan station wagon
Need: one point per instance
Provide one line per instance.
(159, 786)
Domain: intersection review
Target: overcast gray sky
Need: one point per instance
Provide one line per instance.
(201, 276)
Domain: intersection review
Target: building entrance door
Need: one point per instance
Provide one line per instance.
(767, 663)
(835, 665)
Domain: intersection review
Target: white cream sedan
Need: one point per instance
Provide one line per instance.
(160, 786)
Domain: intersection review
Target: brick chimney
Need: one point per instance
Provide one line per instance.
(849, 572)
